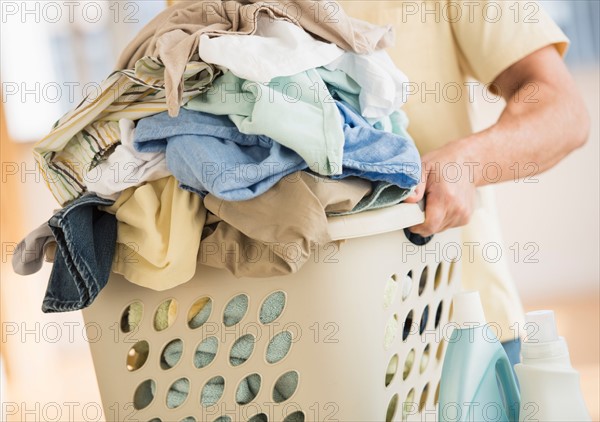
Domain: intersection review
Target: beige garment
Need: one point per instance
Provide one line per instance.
(174, 34)
(440, 45)
(89, 132)
(158, 233)
(274, 234)
(160, 226)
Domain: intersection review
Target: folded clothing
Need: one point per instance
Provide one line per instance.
(160, 228)
(295, 111)
(277, 48)
(173, 36)
(126, 167)
(377, 155)
(28, 256)
(82, 138)
(383, 195)
(251, 240)
(86, 238)
(382, 84)
(207, 153)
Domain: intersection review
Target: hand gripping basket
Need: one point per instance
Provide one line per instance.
(355, 335)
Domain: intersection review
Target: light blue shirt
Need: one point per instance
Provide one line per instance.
(296, 111)
(207, 153)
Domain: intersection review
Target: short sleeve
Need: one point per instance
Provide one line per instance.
(493, 35)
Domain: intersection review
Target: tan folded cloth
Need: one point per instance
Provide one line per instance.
(275, 233)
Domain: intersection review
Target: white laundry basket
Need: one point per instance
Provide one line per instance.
(344, 311)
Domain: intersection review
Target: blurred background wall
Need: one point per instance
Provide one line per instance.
(551, 224)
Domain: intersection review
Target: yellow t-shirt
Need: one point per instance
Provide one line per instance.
(441, 46)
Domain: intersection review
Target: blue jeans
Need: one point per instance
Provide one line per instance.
(85, 245)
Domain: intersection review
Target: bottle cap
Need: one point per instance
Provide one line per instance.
(540, 327)
(467, 309)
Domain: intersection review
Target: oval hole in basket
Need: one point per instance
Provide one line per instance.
(408, 364)
(425, 359)
(423, 400)
(144, 394)
(438, 276)
(424, 319)
(392, 369)
(439, 355)
(248, 389)
(171, 354)
(188, 419)
(235, 310)
(223, 419)
(391, 409)
(212, 391)
(261, 417)
(407, 328)
(407, 284)
(165, 314)
(390, 291)
(241, 350)
(438, 314)
(297, 416)
(391, 330)
(272, 307)
(423, 280)
(451, 272)
(409, 405)
(155, 420)
(178, 393)
(206, 352)
(278, 347)
(132, 317)
(137, 355)
(199, 312)
(285, 386)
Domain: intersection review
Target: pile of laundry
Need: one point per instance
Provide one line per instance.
(228, 135)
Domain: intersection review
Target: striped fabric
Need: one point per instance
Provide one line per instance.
(84, 136)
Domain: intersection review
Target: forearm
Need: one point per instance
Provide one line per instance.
(541, 124)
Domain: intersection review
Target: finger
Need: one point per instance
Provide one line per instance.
(435, 216)
(459, 213)
(418, 194)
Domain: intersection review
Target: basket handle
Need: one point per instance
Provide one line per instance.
(414, 238)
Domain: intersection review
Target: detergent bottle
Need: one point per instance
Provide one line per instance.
(549, 385)
(477, 381)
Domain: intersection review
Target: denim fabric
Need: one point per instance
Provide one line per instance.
(296, 111)
(86, 239)
(377, 155)
(208, 154)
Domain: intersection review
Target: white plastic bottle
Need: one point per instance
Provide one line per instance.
(550, 388)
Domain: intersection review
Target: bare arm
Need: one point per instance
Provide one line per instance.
(544, 120)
